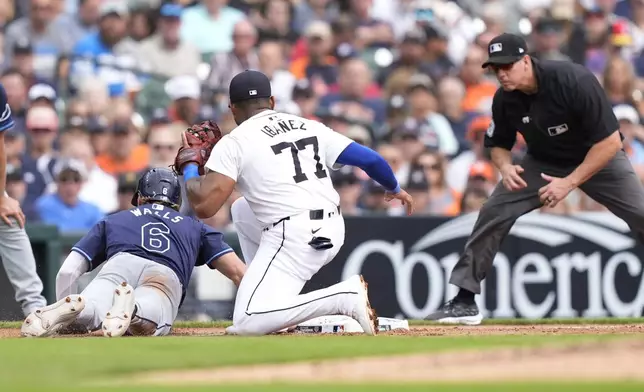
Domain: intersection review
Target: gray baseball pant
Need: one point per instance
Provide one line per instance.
(616, 186)
(20, 265)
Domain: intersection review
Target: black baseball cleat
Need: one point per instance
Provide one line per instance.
(456, 311)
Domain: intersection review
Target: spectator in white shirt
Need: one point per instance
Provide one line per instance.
(161, 51)
(100, 187)
(271, 63)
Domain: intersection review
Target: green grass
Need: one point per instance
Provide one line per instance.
(73, 362)
(487, 387)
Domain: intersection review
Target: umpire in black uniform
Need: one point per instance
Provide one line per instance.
(573, 141)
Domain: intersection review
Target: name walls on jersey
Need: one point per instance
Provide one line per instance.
(546, 268)
(157, 210)
(283, 126)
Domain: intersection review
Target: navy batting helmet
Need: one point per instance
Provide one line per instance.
(159, 184)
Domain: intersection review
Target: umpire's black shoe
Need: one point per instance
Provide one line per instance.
(456, 311)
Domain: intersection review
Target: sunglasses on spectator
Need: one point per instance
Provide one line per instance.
(435, 166)
(409, 137)
(40, 130)
(167, 147)
(36, 7)
(70, 178)
(242, 36)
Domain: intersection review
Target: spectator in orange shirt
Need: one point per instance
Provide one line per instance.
(125, 153)
(478, 91)
(319, 63)
(482, 175)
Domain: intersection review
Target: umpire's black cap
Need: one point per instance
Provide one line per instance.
(249, 85)
(505, 49)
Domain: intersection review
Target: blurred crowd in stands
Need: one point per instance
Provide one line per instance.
(102, 89)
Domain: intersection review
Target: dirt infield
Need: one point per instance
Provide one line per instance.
(588, 362)
(573, 329)
(478, 330)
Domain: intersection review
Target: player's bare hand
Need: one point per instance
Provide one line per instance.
(10, 208)
(404, 197)
(512, 177)
(555, 191)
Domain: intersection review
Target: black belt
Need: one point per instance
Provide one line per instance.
(319, 214)
(313, 215)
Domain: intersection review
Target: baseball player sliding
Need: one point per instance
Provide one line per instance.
(288, 221)
(149, 253)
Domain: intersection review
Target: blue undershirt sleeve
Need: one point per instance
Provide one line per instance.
(372, 163)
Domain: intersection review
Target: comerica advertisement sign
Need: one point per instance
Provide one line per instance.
(585, 265)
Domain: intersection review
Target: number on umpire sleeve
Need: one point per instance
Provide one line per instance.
(154, 237)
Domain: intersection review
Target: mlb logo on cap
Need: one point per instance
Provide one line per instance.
(249, 85)
(506, 49)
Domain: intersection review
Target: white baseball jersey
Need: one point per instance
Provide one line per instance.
(281, 164)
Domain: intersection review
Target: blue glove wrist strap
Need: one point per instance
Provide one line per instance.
(191, 170)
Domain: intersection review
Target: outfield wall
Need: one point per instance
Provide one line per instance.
(585, 265)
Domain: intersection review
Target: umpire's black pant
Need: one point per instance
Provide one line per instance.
(616, 186)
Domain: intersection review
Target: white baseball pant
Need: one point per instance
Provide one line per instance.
(280, 262)
(157, 292)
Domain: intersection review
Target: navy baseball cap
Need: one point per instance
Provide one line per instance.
(160, 116)
(23, 46)
(249, 85)
(505, 49)
(14, 173)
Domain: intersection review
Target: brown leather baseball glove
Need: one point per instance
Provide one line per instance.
(198, 141)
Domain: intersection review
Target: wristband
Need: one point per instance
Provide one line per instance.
(396, 190)
(190, 171)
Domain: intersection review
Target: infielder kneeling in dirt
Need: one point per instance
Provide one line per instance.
(150, 252)
(289, 220)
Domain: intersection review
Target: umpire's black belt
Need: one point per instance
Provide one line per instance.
(313, 215)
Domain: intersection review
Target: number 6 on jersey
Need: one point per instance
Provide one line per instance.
(295, 149)
(154, 237)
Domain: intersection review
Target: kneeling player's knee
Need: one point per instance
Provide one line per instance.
(248, 326)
